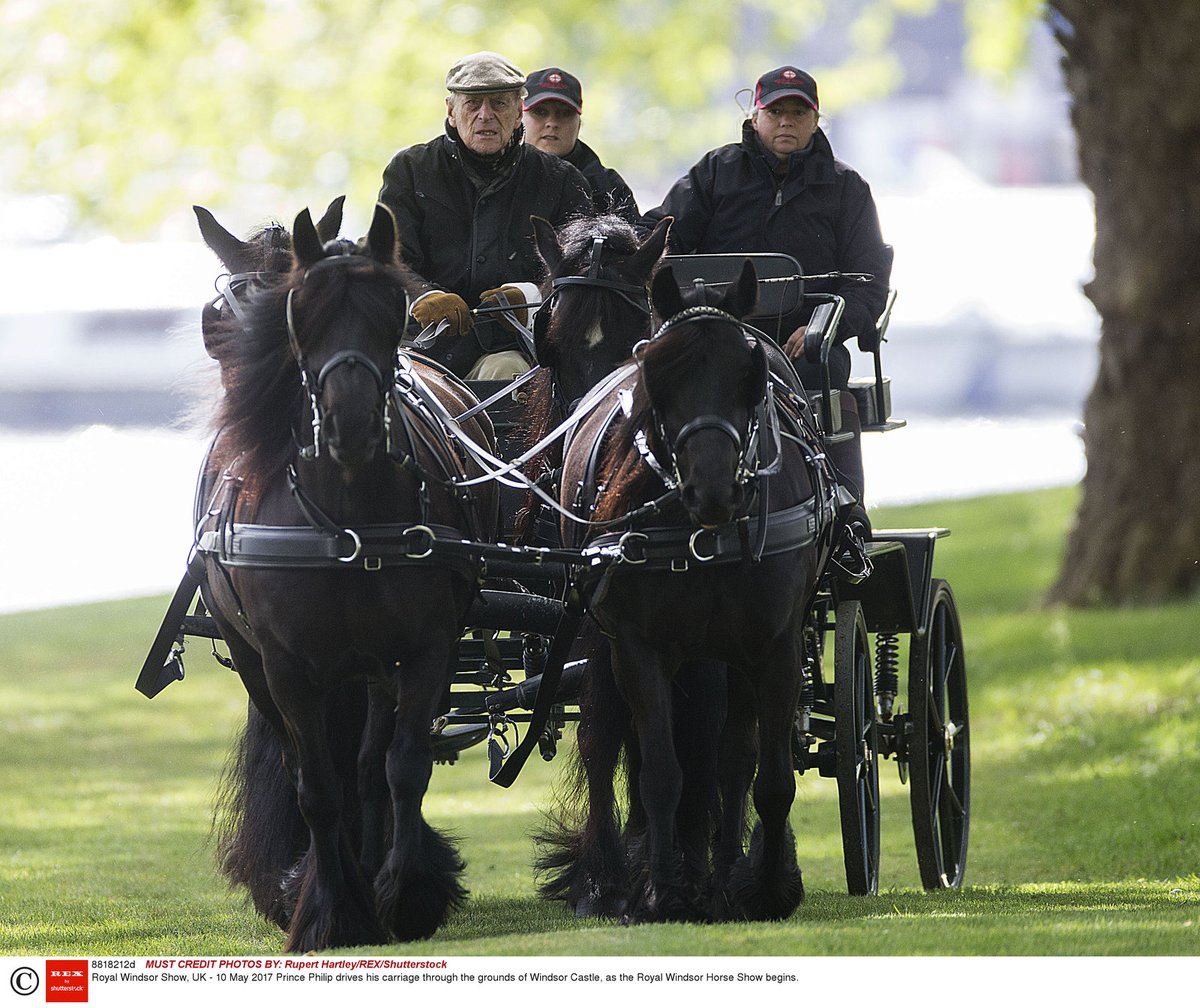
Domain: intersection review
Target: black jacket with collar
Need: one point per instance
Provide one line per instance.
(466, 240)
(610, 194)
(820, 211)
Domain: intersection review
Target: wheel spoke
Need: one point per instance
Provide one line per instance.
(951, 665)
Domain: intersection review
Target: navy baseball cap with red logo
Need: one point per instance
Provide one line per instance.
(553, 84)
(785, 82)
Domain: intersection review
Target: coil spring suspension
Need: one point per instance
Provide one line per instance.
(802, 737)
(887, 673)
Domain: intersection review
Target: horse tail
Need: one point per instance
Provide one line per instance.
(260, 834)
(581, 858)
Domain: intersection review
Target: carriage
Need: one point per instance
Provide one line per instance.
(519, 673)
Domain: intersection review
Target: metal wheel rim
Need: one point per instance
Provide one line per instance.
(940, 750)
(856, 748)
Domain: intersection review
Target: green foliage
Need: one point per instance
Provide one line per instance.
(135, 109)
(1084, 835)
(999, 33)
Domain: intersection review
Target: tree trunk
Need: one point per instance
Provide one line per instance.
(1130, 69)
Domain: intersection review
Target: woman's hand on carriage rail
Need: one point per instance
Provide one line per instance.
(514, 296)
(435, 305)
(794, 347)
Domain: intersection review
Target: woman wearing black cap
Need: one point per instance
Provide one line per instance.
(553, 113)
(782, 190)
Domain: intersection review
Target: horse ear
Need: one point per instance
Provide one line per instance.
(740, 299)
(546, 240)
(643, 261)
(306, 243)
(664, 294)
(331, 221)
(381, 239)
(230, 249)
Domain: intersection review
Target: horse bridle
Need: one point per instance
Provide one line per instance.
(633, 294)
(314, 384)
(745, 444)
(230, 288)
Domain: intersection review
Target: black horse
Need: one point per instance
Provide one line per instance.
(325, 492)
(257, 823)
(705, 614)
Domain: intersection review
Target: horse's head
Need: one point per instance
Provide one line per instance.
(595, 305)
(704, 381)
(346, 306)
(266, 254)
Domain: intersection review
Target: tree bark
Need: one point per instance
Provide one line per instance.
(1130, 70)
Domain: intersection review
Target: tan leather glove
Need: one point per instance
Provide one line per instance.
(514, 296)
(437, 305)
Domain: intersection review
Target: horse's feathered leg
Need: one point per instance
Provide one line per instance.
(334, 907)
(766, 883)
(419, 883)
(372, 777)
(737, 760)
(700, 698)
(643, 681)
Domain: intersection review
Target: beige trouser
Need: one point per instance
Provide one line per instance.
(503, 366)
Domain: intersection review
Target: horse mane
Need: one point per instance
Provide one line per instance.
(272, 248)
(581, 314)
(263, 390)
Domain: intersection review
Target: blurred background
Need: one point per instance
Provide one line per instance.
(118, 115)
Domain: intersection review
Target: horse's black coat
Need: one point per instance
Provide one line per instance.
(304, 641)
(706, 663)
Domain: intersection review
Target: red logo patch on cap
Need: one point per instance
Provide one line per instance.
(554, 79)
(789, 75)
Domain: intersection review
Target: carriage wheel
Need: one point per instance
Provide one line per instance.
(855, 745)
(940, 747)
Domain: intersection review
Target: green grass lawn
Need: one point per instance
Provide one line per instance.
(1086, 791)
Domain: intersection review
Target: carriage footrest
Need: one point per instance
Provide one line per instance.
(874, 404)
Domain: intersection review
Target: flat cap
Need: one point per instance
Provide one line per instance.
(484, 71)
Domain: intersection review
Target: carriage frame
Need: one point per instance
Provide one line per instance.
(856, 709)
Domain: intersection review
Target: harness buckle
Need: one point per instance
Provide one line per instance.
(692, 548)
(430, 540)
(625, 541)
(357, 546)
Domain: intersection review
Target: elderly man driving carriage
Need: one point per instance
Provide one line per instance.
(780, 189)
(462, 204)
